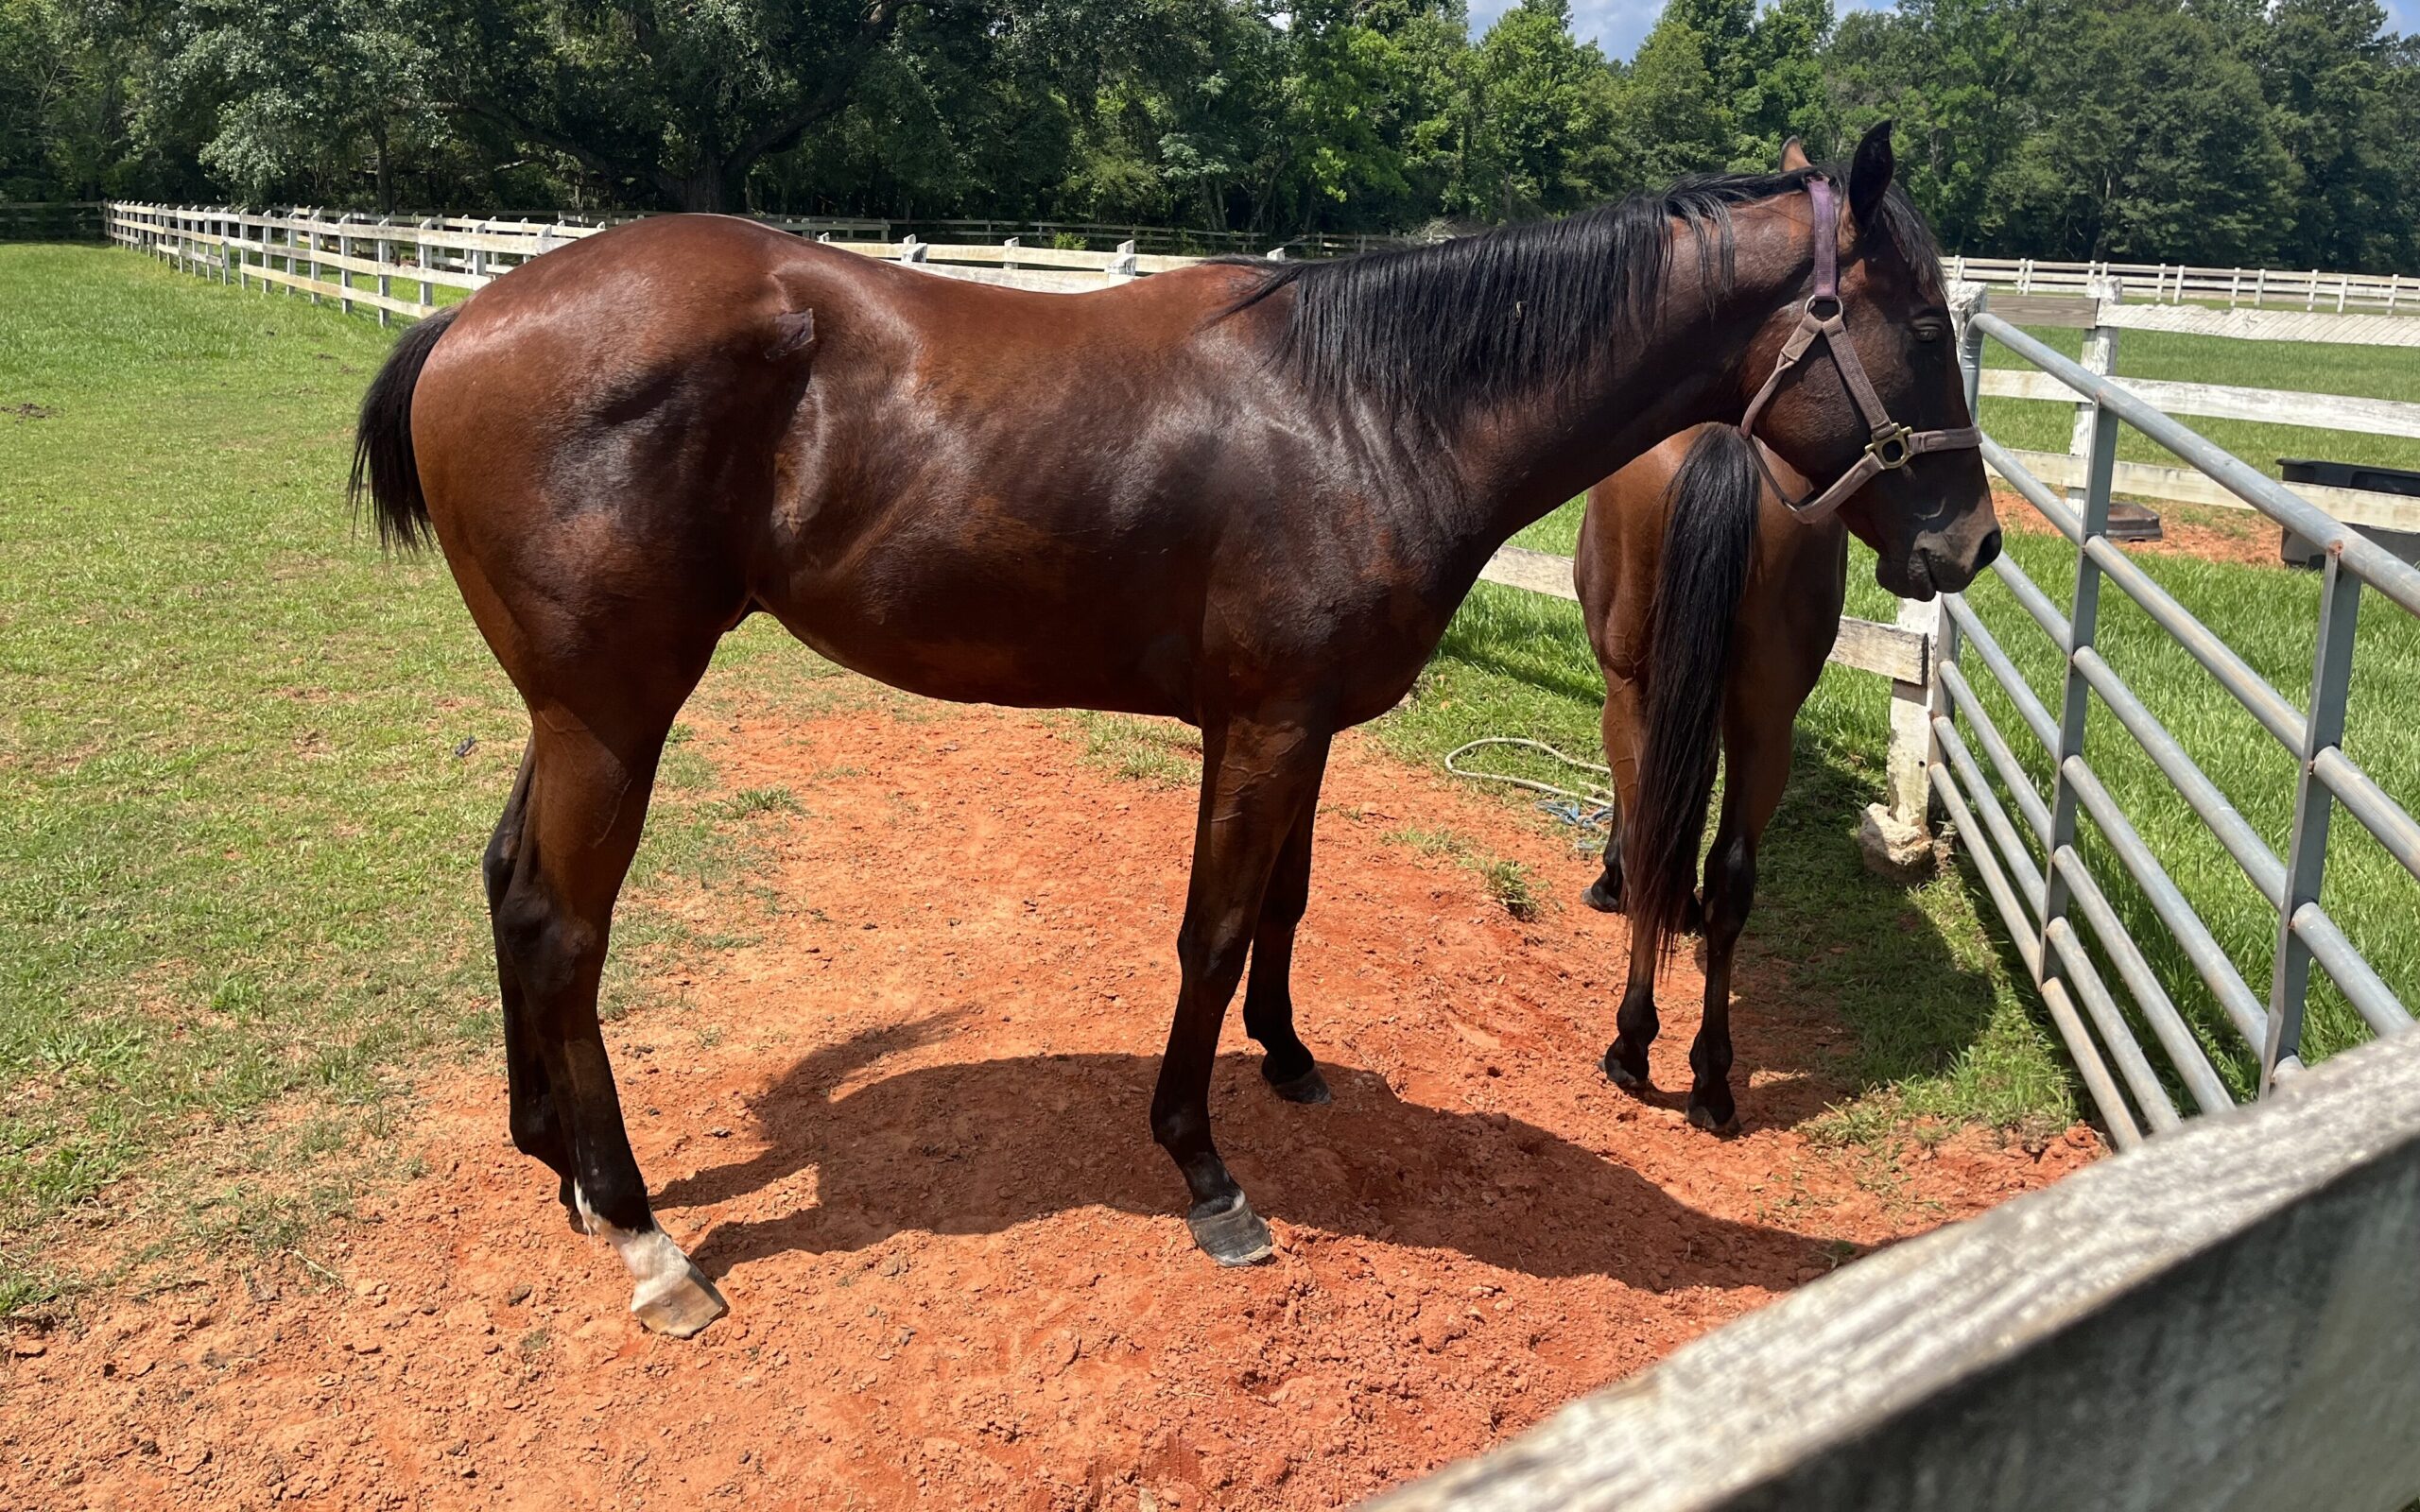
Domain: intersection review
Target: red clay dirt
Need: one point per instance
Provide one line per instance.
(2237, 536)
(905, 1127)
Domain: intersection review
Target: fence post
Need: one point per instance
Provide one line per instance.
(2331, 679)
(386, 248)
(2100, 356)
(1009, 261)
(2083, 619)
(344, 274)
(2311, 291)
(421, 252)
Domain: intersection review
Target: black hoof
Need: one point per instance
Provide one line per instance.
(1229, 1232)
(1625, 1078)
(1310, 1089)
(1725, 1121)
(1602, 898)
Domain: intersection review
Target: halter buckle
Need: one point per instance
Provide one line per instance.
(1891, 446)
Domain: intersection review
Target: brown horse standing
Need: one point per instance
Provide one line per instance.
(1676, 667)
(1247, 496)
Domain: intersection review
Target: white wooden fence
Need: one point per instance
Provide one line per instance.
(2110, 317)
(2181, 283)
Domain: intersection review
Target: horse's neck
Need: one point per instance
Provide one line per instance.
(1519, 460)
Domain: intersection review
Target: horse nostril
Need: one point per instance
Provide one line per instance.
(1989, 551)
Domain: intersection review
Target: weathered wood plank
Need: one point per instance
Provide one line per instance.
(2146, 480)
(2225, 1319)
(2267, 325)
(1863, 646)
(2276, 406)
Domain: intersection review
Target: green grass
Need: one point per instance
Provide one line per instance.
(238, 851)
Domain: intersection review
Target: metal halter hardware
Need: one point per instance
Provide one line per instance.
(1890, 444)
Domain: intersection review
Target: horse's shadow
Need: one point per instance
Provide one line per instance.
(979, 1147)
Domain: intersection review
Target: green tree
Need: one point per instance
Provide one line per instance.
(1677, 118)
(1542, 111)
(2155, 140)
(2330, 79)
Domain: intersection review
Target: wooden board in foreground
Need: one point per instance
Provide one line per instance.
(2227, 1318)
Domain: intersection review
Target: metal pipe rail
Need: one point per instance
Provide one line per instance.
(2035, 871)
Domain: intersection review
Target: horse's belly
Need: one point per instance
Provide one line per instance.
(994, 646)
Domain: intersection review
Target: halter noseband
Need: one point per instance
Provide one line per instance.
(1892, 445)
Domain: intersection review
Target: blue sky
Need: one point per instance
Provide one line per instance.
(1618, 26)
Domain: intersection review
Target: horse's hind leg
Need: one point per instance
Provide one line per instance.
(584, 803)
(1756, 762)
(1269, 1000)
(1623, 741)
(1257, 780)
(538, 1131)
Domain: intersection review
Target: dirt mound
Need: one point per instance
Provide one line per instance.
(903, 1122)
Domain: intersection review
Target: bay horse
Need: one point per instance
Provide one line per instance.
(1686, 672)
(1246, 495)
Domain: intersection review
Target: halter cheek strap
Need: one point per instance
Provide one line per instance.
(1890, 444)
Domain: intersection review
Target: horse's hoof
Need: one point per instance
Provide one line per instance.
(1229, 1232)
(1622, 1076)
(1602, 898)
(1310, 1089)
(1706, 1119)
(679, 1304)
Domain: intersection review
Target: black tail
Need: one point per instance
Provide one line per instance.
(382, 444)
(1709, 539)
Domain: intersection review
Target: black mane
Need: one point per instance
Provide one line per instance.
(1428, 330)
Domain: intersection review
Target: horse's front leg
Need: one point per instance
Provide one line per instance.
(1257, 779)
(1269, 990)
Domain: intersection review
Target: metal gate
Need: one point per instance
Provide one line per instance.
(2030, 862)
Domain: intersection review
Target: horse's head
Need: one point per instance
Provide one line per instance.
(1857, 385)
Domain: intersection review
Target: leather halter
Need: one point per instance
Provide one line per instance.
(1892, 445)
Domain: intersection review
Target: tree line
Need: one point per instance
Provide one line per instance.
(2219, 131)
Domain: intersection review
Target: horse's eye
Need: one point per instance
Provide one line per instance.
(1930, 330)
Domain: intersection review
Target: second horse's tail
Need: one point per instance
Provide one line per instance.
(1709, 541)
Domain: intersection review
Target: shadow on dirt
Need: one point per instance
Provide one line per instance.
(977, 1147)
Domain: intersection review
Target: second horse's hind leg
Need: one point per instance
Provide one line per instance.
(1269, 998)
(1756, 758)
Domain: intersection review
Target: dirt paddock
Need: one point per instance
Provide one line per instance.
(903, 1123)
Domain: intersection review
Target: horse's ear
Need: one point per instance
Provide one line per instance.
(1793, 156)
(1870, 171)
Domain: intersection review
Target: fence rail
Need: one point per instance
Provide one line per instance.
(2032, 865)
(2181, 283)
